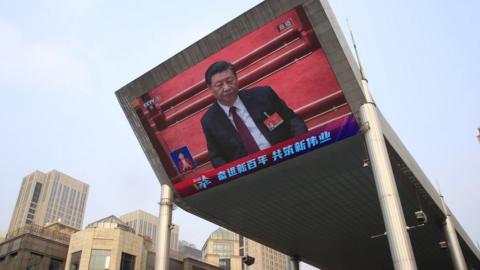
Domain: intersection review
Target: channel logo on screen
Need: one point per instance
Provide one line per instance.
(201, 182)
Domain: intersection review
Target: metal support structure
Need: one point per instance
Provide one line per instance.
(395, 226)
(398, 238)
(452, 240)
(162, 257)
(396, 229)
(294, 263)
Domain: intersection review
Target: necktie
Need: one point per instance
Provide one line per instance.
(245, 134)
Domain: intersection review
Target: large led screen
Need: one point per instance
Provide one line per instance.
(283, 76)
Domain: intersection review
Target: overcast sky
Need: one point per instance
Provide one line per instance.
(61, 62)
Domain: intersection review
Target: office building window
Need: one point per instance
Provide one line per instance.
(55, 265)
(99, 259)
(223, 249)
(75, 261)
(241, 241)
(36, 192)
(34, 261)
(127, 262)
(224, 264)
(13, 260)
(150, 261)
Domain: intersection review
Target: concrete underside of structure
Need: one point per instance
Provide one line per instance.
(323, 208)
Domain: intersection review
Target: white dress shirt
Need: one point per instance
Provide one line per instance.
(247, 119)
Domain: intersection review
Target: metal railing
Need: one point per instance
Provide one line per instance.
(40, 231)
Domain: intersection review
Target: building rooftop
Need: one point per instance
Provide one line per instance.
(56, 231)
(223, 234)
(111, 222)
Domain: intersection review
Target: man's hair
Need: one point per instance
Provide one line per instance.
(218, 67)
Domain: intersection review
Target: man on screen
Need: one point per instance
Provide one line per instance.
(243, 122)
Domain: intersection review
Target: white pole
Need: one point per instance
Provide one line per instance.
(294, 263)
(395, 226)
(162, 257)
(452, 240)
(398, 238)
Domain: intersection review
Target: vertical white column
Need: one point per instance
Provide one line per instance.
(294, 263)
(162, 257)
(398, 238)
(452, 240)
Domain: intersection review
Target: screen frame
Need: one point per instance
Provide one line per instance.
(327, 33)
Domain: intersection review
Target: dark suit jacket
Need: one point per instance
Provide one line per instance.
(223, 141)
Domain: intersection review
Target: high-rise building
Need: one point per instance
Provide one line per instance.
(49, 197)
(146, 224)
(226, 249)
(222, 248)
(265, 258)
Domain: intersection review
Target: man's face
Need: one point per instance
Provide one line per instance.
(224, 87)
